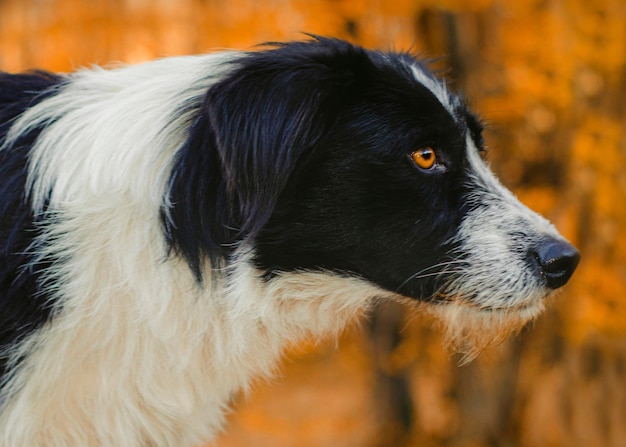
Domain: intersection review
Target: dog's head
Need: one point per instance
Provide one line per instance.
(325, 156)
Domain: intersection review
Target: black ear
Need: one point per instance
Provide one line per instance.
(255, 127)
(270, 113)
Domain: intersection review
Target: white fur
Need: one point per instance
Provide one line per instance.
(157, 363)
(112, 125)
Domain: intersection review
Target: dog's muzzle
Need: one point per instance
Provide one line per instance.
(556, 260)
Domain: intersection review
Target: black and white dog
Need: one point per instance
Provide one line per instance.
(167, 228)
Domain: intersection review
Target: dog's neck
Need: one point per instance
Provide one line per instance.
(179, 349)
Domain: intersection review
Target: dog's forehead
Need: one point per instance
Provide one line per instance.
(438, 89)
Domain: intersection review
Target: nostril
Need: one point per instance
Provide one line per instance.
(557, 260)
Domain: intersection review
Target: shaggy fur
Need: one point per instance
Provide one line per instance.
(168, 228)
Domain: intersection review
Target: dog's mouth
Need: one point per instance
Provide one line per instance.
(506, 304)
(518, 282)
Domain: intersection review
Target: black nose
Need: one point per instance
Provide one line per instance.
(557, 260)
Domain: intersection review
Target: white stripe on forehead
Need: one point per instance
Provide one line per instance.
(482, 175)
(480, 171)
(437, 88)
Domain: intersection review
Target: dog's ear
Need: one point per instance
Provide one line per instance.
(270, 113)
(255, 127)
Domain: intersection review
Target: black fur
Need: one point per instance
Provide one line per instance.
(23, 307)
(303, 150)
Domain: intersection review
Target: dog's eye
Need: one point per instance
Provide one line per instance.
(425, 158)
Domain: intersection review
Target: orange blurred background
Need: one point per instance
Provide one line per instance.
(550, 78)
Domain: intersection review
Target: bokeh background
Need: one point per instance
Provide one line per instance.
(550, 78)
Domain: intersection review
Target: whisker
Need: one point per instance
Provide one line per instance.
(423, 273)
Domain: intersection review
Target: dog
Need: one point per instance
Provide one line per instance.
(166, 229)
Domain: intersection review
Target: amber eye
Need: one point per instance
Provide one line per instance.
(424, 158)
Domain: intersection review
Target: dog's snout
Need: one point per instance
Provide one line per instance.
(557, 260)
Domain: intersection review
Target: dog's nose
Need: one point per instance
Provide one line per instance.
(557, 260)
